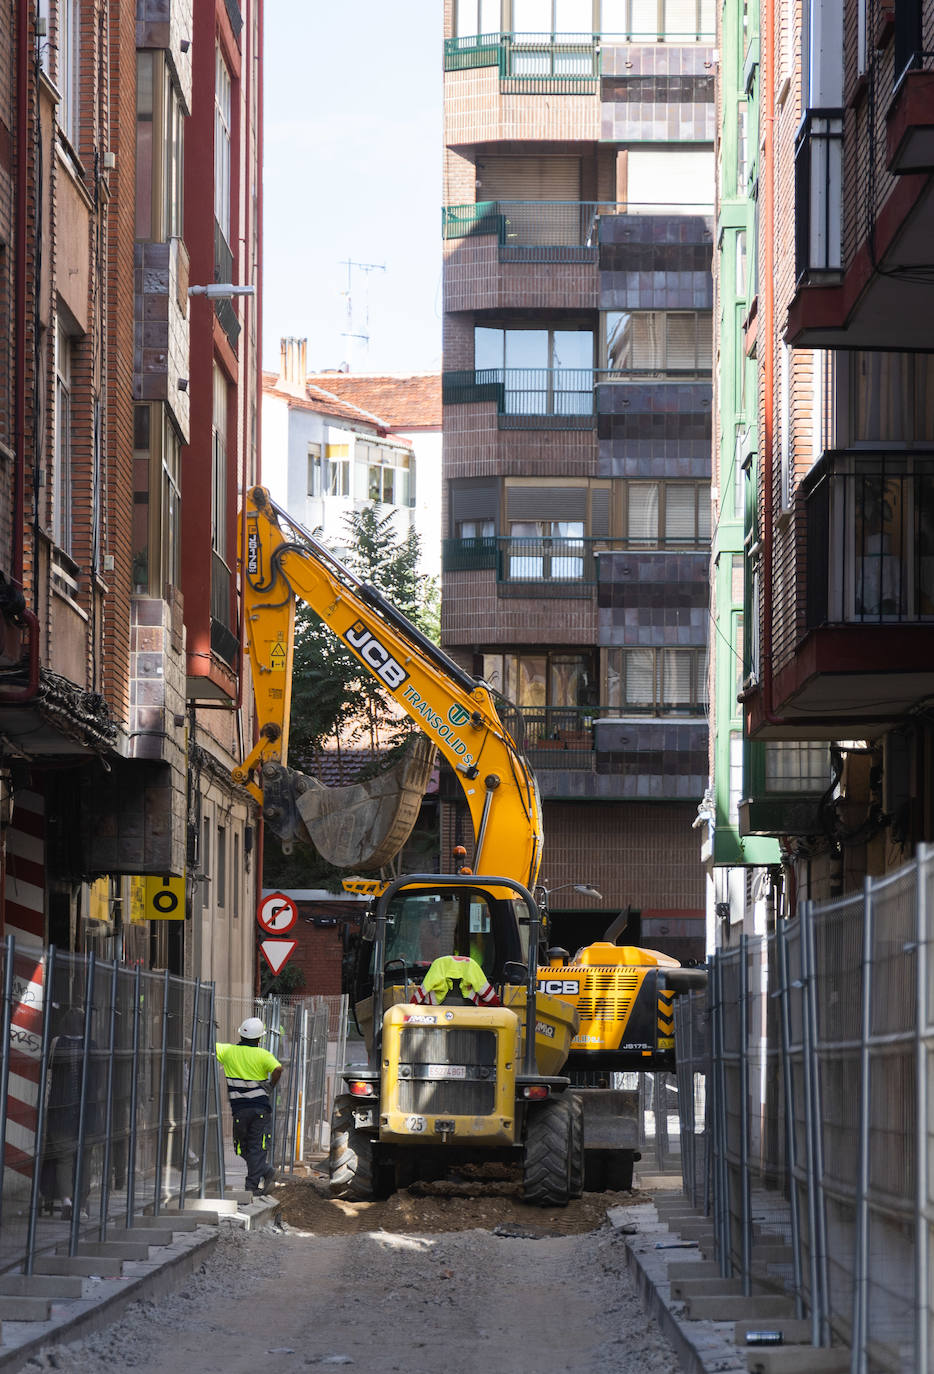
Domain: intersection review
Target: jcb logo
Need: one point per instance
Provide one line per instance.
(375, 656)
(560, 987)
(458, 716)
(252, 555)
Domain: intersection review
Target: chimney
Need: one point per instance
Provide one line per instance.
(293, 371)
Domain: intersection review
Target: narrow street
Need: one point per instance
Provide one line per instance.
(461, 1282)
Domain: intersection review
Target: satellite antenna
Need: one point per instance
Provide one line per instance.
(350, 333)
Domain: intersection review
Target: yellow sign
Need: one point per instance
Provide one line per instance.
(163, 899)
(137, 900)
(99, 900)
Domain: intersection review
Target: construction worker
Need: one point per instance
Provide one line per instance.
(251, 1073)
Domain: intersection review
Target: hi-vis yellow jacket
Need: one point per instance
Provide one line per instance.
(451, 969)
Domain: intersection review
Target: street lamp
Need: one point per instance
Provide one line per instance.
(221, 290)
(585, 889)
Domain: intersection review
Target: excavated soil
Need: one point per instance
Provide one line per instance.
(491, 1203)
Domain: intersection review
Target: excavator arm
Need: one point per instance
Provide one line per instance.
(454, 711)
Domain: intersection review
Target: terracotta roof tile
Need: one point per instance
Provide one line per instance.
(324, 401)
(405, 400)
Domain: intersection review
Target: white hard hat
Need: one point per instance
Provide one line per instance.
(251, 1029)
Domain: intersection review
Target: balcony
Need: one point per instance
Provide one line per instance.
(864, 650)
(549, 566)
(530, 63)
(550, 398)
(548, 230)
(819, 195)
(224, 641)
(223, 271)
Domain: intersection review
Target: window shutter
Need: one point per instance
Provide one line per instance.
(679, 512)
(529, 178)
(546, 503)
(676, 677)
(600, 513)
(639, 670)
(681, 331)
(643, 511)
(648, 340)
(477, 502)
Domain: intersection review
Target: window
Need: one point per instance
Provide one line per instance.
(235, 881)
(157, 502)
(543, 371)
(219, 465)
(206, 848)
(892, 398)
(553, 689)
(61, 456)
(68, 72)
(667, 512)
(475, 529)
(552, 16)
(657, 681)
(337, 470)
(786, 437)
(315, 474)
(477, 16)
(160, 140)
(659, 341)
(389, 474)
(543, 550)
(742, 147)
(142, 458)
(741, 266)
(221, 891)
(797, 766)
(736, 777)
(171, 506)
(640, 20)
(222, 129)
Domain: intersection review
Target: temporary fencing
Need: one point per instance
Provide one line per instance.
(111, 1099)
(814, 1051)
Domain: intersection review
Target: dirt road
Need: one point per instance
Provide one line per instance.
(452, 1283)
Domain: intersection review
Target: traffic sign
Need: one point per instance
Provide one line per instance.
(277, 953)
(276, 913)
(164, 898)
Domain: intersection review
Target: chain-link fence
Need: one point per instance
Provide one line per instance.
(111, 1100)
(814, 1050)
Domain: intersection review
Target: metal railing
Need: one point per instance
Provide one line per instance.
(223, 271)
(536, 63)
(870, 535)
(547, 559)
(816, 1152)
(235, 16)
(551, 223)
(819, 193)
(556, 394)
(111, 1101)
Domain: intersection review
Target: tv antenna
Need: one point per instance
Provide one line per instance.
(366, 268)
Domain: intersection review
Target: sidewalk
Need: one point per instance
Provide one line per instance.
(68, 1297)
(706, 1317)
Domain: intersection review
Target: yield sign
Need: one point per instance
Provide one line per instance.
(277, 913)
(277, 952)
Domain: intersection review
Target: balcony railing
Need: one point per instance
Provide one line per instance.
(529, 224)
(556, 392)
(565, 737)
(870, 539)
(531, 62)
(234, 15)
(819, 194)
(223, 271)
(548, 563)
(223, 635)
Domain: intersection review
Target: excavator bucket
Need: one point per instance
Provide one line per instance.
(359, 826)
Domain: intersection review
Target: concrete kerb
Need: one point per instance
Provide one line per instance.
(175, 1254)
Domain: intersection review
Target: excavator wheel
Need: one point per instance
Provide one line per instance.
(354, 1172)
(546, 1166)
(576, 1188)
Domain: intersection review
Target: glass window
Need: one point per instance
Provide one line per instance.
(389, 474)
(221, 888)
(337, 470)
(547, 371)
(171, 512)
(531, 16)
(219, 465)
(659, 341)
(643, 510)
(173, 154)
(235, 879)
(736, 777)
(222, 132)
(474, 529)
(659, 681)
(546, 549)
(797, 766)
(61, 458)
(477, 16)
(68, 72)
(144, 144)
(142, 458)
(315, 475)
(892, 397)
(741, 279)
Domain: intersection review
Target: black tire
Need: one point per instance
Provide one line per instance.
(354, 1171)
(546, 1164)
(576, 1188)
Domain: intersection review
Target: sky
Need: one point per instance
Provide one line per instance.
(352, 170)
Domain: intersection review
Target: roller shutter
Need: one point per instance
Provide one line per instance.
(529, 178)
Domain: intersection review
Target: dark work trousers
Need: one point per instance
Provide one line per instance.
(251, 1139)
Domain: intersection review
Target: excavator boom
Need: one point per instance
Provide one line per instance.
(456, 712)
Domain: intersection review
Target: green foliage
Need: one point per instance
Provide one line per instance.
(288, 980)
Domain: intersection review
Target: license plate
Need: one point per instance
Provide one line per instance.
(445, 1071)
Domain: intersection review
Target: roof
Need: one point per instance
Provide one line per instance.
(406, 400)
(324, 402)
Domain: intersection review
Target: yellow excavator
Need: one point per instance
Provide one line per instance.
(476, 1072)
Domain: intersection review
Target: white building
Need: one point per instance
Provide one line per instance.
(333, 441)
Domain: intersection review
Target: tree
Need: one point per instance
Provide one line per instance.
(336, 705)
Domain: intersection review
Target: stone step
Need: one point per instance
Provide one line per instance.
(40, 1286)
(798, 1359)
(167, 1221)
(79, 1264)
(731, 1308)
(683, 1290)
(140, 1235)
(106, 1249)
(696, 1269)
(795, 1331)
(25, 1309)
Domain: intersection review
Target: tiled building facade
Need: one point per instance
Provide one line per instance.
(122, 703)
(578, 236)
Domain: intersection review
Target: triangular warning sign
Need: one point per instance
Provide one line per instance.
(277, 952)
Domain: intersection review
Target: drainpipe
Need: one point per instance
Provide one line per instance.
(20, 267)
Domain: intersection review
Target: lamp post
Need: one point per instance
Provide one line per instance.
(221, 290)
(585, 889)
